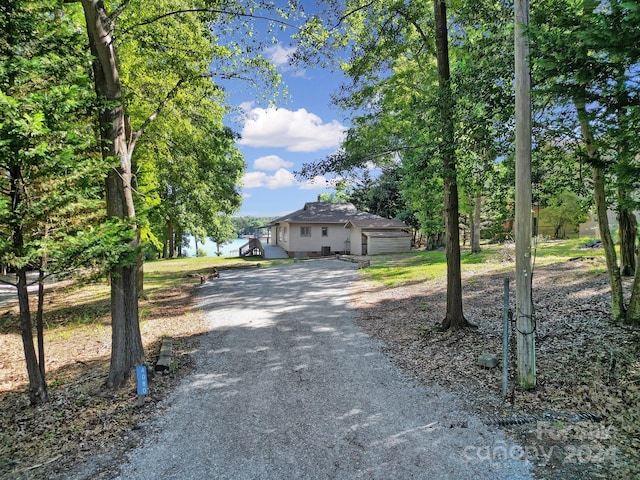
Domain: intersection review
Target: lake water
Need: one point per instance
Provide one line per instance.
(229, 249)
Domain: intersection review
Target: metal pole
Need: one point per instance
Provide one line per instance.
(505, 340)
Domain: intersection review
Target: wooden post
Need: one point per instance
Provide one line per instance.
(505, 340)
(525, 324)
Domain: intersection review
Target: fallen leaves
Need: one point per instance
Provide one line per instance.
(83, 418)
(585, 363)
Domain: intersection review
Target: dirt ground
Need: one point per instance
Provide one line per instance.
(84, 420)
(582, 420)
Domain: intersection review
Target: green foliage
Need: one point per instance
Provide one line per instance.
(189, 168)
(51, 190)
(565, 210)
(248, 225)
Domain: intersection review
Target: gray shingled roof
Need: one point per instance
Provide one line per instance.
(368, 220)
(320, 212)
(326, 212)
(386, 234)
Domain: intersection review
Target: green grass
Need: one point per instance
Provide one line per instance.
(404, 269)
(551, 251)
(170, 273)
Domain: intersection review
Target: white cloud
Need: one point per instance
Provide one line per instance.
(254, 179)
(281, 179)
(371, 166)
(246, 106)
(316, 183)
(280, 55)
(297, 131)
(270, 163)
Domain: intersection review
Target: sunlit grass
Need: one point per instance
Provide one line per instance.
(160, 274)
(551, 251)
(404, 269)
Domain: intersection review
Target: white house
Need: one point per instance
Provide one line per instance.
(323, 228)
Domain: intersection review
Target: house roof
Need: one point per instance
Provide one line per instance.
(320, 212)
(368, 220)
(386, 234)
(342, 213)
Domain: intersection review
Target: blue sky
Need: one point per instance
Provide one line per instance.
(276, 141)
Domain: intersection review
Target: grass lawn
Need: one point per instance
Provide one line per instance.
(404, 269)
(173, 272)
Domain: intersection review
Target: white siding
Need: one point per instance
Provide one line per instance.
(335, 238)
(281, 235)
(356, 240)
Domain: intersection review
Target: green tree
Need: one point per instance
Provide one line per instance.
(483, 73)
(585, 60)
(565, 209)
(50, 187)
(401, 81)
(123, 123)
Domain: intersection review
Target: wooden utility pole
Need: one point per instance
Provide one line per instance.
(525, 323)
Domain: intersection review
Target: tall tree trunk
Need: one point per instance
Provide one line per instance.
(626, 218)
(633, 310)
(126, 341)
(171, 235)
(179, 237)
(40, 320)
(628, 232)
(454, 318)
(617, 300)
(615, 281)
(37, 384)
(475, 224)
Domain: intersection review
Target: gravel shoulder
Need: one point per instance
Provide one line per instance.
(286, 385)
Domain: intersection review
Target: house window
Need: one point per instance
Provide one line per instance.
(305, 231)
(285, 235)
(325, 231)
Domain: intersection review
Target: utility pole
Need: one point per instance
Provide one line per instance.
(525, 323)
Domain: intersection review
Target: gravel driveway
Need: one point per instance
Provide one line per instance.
(288, 387)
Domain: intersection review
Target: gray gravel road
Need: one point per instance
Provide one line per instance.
(288, 387)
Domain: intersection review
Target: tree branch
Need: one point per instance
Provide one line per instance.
(5, 282)
(116, 13)
(135, 136)
(211, 10)
(348, 14)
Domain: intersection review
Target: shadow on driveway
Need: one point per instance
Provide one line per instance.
(287, 386)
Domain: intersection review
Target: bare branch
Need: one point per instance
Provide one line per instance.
(116, 13)
(348, 14)
(6, 282)
(212, 10)
(138, 133)
(135, 136)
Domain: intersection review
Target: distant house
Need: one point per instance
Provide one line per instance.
(323, 228)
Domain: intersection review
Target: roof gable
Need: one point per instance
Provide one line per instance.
(342, 213)
(320, 212)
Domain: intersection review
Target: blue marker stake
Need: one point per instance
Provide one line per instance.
(141, 377)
